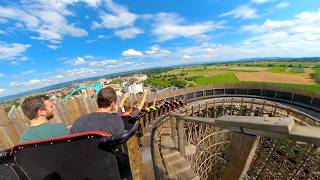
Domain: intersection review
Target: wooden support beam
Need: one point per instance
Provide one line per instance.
(283, 124)
(274, 127)
(9, 136)
(173, 129)
(241, 152)
(16, 121)
(181, 137)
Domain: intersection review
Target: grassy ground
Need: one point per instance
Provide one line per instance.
(310, 88)
(284, 63)
(218, 79)
(277, 69)
(230, 78)
(285, 69)
(295, 70)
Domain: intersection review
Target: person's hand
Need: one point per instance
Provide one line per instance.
(126, 95)
(145, 91)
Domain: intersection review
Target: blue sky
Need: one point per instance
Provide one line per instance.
(44, 42)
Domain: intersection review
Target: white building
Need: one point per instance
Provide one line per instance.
(133, 88)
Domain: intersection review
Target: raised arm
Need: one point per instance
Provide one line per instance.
(154, 102)
(124, 98)
(143, 100)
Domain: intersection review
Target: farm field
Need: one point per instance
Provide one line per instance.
(274, 77)
(218, 79)
(296, 75)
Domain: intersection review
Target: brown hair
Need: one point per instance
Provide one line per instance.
(127, 106)
(105, 97)
(31, 105)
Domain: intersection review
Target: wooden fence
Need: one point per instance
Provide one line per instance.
(13, 124)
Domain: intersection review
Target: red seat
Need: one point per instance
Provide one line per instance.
(88, 155)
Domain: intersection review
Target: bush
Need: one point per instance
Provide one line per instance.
(316, 75)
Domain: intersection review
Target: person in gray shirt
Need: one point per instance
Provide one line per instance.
(102, 119)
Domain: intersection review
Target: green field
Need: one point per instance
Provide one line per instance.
(277, 69)
(218, 79)
(303, 64)
(295, 70)
(306, 87)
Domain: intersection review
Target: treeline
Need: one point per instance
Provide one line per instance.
(316, 75)
(165, 81)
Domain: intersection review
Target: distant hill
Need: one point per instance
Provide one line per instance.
(152, 70)
(69, 83)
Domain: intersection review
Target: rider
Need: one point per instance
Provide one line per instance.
(39, 109)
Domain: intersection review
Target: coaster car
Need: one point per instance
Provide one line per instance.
(90, 155)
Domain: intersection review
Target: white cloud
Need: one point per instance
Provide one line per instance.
(25, 73)
(119, 19)
(19, 15)
(23, 58)
(83, 72)
(88, 56)
(99, 63)
(131, 52)
(3, 91)
(128, 33)
(79, 61)
(169, 26)
(303, 23)
(299, 36)
(157, 51)
(103, 36)
(59, 77)
(186, 56)
(90, 41)
(260, 1)
(46, 18)
(269, 25)
(171, 31)
(208, 49)
(93, 3)
(12, 51)
(119, 16)
(2, 75)
(99, 37)
(282, 5)
(32, 82)
(2, 32)
(243, 12)
(51, 46)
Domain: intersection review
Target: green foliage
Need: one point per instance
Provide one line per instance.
(217, 79)
(167, 81)
(159, 82)
(115, 81)
(316, 75)
(181, 83)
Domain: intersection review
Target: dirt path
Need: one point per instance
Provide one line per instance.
(276, 77)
